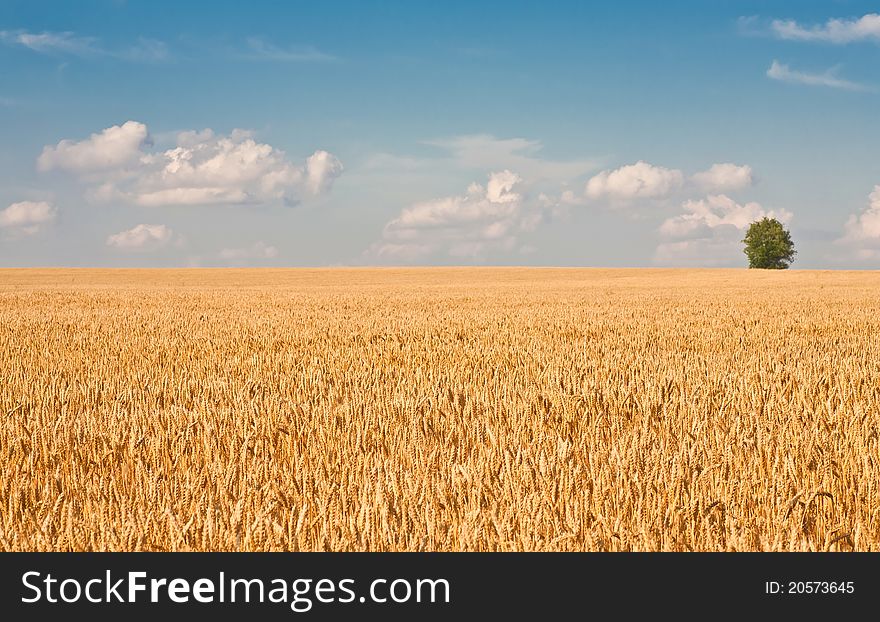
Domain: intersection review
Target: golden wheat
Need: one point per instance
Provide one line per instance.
(439, 409)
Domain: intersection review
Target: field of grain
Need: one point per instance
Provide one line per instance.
(439, 409)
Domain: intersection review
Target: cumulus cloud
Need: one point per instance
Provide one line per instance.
(724, 177)
(485, 219)
(322, 169)
(111, 148)
(201, 169)
(717, 211)
(865, 28)
(709, 231)
(27, 217)
(865, 227)
(258, 250)
(635, 181)
(784, 73)
(643, 183)
(142, 238)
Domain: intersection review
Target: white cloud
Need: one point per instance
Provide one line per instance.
(784, 73)
(388, 161)
(322, 169)
(716, 211)
(69, 43)
(202, 169)
(144, 50)
(258, 49)
(188, 196)
(27, 217)
(865, 227)
(865, 28)
(749, 25)
(500, 187)
(258, 250)
(51, 42)
(724, 177)
(487, 218)
(485, 152)
(142, 238)
(635, 181)
(113, 147)
(568, 197)
(709, 232)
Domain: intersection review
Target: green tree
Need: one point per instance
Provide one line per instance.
(769, 245)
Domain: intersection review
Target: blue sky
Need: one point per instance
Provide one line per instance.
(358, 133)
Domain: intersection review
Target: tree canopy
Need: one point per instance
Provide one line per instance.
(769, 245)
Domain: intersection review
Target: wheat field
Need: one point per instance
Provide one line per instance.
(439, 409)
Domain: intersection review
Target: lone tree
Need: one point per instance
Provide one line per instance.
(768, 245)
